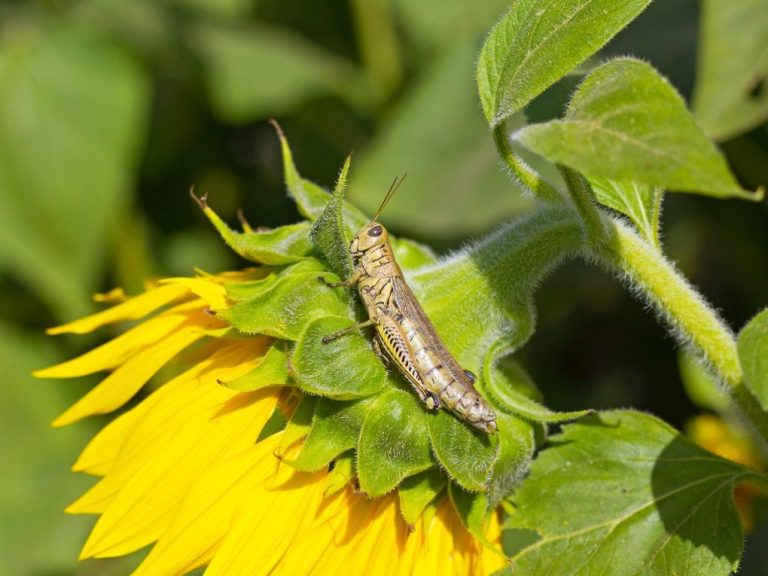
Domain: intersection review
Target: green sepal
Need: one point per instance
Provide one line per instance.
(342, 474)
(300, 423)
(517, 442)
(310, 198)
(625, 478)
(510, 388)
(753, 355)
(272, 370)
(394, 443)
(473, 510)
(467, 455)
(627, 123)
(417, 492)
(282, 245)
(327, 231)
(537, 42)
(283, 307)
(335, 429)
(343, 368)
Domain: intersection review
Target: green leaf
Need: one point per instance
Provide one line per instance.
(343, 368)
(465, 454)
(417, 492)
(335, 429)
(454, 185)
(510, 388)
(730, 96)
(394, 443)
(626, 481)
(272, 370)
(753, 354)
(264, 71)
(627, 123)
(72, 120)
(282, 307)
(641, 203)
(328, 230)
(538, 42)
(282, 245)
(516, 445)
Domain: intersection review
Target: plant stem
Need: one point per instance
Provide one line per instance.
(694, 323)
(528, 177)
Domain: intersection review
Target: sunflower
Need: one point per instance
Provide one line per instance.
(244, 444)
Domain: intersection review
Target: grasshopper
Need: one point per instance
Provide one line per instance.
(403, 332)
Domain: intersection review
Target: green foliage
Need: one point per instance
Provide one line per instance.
(394, 443)
(239, 59)
(72, 115)
(395, 86)
(626, 123)
(343, 368)
(626, 482)
(418, 491)
(327, 231)
(753, 353)
(730, 95)
(272, 370)
(538, 42)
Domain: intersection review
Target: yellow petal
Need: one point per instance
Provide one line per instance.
(213, 293)
(178, 441)
(269, 522)
(100, 454)
(131, 309)
(206, 514)
(119, 350)
(120, 386)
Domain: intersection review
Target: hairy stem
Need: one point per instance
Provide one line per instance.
(528, 177)
(694, 322)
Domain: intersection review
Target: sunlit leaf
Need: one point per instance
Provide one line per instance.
(627, 123)
(538, 42)
(625, 481)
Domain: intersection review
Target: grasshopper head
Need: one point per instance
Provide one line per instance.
(369, 236)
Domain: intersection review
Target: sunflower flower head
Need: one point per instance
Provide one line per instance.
(270, 452)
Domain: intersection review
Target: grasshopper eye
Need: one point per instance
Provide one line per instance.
(375, 231)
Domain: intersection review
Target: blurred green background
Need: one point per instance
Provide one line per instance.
(111, 109)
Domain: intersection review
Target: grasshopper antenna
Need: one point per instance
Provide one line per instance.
(391, 192)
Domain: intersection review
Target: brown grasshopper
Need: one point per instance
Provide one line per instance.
(403, 330)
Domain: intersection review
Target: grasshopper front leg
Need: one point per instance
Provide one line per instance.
(348, 283)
